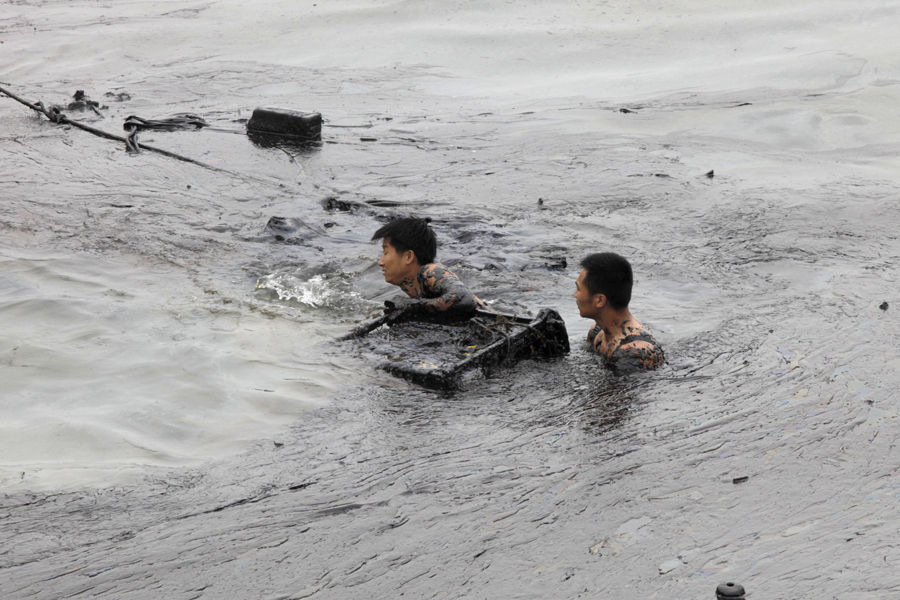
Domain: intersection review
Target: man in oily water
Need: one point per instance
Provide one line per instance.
(408, 248)
(602, 293)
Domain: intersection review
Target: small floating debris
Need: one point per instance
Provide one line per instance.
(710, 174)
(785, 353)
(80, 101)
(730, 591)
(883, 305)
(118, 96)
(333, 203)
(741, 479)
(669, 566)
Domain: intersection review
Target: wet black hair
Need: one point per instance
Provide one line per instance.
(411, 233)
(609, 274)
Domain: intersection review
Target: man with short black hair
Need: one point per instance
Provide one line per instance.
(408, 251)
(602, 293)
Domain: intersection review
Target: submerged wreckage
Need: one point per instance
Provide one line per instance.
(438, 355)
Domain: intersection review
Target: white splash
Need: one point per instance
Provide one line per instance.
(319, 291)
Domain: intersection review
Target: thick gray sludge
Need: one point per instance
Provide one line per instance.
(189, 317)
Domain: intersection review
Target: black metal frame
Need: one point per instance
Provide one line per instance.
(543, 336)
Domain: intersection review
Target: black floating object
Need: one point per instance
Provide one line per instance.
(626, 111)
(730, 591)
(333, 203)
(883, 306)
(711, 173)
(543, 336)
(742, 479)
(287, 123)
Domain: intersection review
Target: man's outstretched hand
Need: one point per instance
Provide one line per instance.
(403, 308)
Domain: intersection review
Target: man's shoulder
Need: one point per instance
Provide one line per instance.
(432, 266)
(435, 272)
(640, 350)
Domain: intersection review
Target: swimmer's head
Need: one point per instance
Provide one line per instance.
(410, 233)
(608, 274)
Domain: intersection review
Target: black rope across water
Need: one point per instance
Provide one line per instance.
(55, 115)
(134, 124)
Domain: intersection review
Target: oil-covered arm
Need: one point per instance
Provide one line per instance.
(445, 292)
(442, 292)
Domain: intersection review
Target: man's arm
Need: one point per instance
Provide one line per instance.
(450, 294)
(447, 295)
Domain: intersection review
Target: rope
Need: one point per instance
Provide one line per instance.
(56, 116)
(134, 124)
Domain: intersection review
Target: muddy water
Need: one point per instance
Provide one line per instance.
(177, 423)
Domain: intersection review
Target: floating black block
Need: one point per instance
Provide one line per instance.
(288, 123)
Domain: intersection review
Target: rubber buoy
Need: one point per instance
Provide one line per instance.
(730, 591)
(283, 122)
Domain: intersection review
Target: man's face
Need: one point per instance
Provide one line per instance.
(394, 265)
(584, 298)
